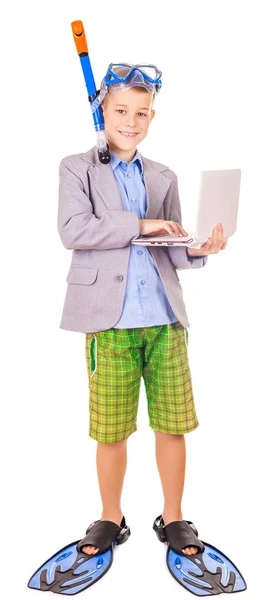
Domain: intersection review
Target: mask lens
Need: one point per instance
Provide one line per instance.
(116, 66)
(149, 70)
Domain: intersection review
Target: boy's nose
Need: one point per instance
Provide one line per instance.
(130, 121)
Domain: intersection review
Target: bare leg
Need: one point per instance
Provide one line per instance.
(111, 467)
(171, 460)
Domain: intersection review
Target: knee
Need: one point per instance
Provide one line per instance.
(162, 434)
(117, 444)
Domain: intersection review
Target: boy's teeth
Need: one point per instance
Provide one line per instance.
(128, 134)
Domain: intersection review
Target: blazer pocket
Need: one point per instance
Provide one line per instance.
(82, 275)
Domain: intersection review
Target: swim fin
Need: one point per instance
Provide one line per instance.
(206, 573)
(70, 570)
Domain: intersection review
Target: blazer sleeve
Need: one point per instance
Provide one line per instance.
(79, 228)
(179, 256)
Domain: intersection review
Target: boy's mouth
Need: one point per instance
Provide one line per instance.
(125, 134)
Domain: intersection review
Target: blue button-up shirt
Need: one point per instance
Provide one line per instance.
(145, 301)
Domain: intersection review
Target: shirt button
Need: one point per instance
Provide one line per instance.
(128, 175)
(143, 281)
(140, 252)
(133, 200)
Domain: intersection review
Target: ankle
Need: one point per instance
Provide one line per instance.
(112, 515)
(170, 515)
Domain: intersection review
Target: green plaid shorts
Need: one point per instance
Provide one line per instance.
(117, 358)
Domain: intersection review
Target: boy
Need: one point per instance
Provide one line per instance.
(127, 299)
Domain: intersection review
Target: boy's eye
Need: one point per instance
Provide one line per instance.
(122, 110)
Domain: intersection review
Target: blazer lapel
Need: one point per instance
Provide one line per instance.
(102, 178)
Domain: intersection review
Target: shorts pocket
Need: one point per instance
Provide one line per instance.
(93, 355)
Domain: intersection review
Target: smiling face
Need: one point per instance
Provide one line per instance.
(127, 112)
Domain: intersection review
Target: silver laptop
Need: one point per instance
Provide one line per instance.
(218, 203)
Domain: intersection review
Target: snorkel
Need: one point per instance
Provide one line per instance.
(82, 49)
(119, 76)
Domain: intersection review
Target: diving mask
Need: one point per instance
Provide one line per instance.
(125, 76)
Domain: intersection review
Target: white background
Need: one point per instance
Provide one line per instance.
(217, 109)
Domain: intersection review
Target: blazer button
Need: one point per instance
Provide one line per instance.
(118, 278)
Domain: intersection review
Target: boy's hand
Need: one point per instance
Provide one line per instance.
(212, 246)
(159, 226)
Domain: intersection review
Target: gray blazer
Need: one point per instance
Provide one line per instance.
(93, 224)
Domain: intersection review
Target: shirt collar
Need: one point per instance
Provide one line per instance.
(115, 161)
